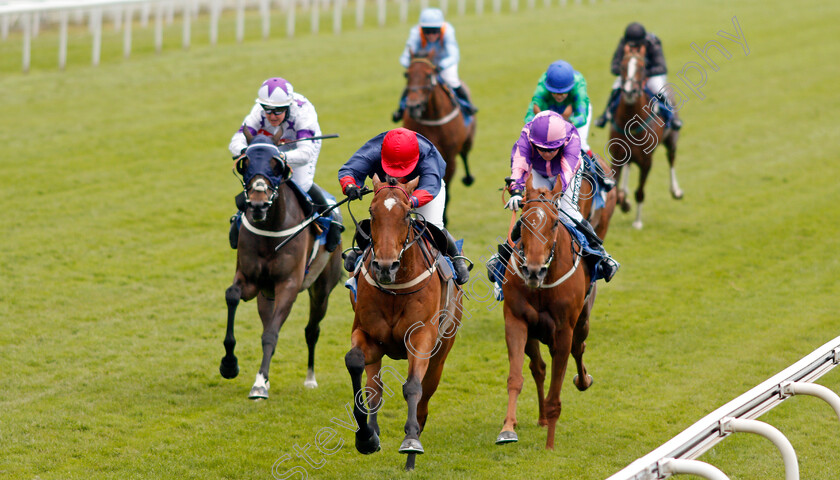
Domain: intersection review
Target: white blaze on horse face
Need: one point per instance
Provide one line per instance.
(389, 203)
(631, 74)
(260, 185)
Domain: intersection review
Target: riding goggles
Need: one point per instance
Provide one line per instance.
(431, 31)
(274, 110)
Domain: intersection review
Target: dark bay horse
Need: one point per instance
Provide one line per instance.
(599, 218)
(433, 111)
(636, 132)
(545, 301)
(403, 309)
(275, 277)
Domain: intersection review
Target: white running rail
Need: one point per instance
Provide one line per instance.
(677, 455)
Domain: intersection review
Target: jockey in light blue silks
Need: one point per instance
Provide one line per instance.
(434, 33)
(279, 108)
(548, 150)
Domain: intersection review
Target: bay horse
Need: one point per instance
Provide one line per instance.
(636, 131)
(433, 111)
(403, 309)
(545, 300)
(273, 213)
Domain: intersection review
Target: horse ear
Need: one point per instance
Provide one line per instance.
(558, 187)
(277, 138)
(412, 185)
(377, 182)
(626, 48)
(643, 50)
(529, 185)
(247, 132)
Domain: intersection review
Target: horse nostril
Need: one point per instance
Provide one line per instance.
(395, 266)
(543, 271)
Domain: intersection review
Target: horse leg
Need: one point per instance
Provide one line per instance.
(671, 150)
(640, 195)
(229, 368)
(623, 190)
(559, 360)
(465, 150)
(579, 343)
(319, 296)
(516, 336)
(273, 315)
(367, 440)
(423, 340)
(537, 366)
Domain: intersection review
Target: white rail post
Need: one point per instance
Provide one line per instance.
(444, 7)
(731, 424)
(26, 23)
(514, 5)
(670, 466)
(462, 7)
(338, 12)
(808, 388)
(291, 7)
(360, 13)
(479, 7)
(4, 26)
(265, 15)
(381, 13)
(96, 23)
(144, 14)
(315, 16)
(186, 32)
(63, 17)
(215, 13)
(129, 12)
(36, 24)
(159, 27)
(403, 11)
(240, 20)
(497, 6)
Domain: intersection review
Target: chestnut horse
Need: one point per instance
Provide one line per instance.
(546, 301)
(433, 111)
(403, 309)
(275, 277)
(636, 132)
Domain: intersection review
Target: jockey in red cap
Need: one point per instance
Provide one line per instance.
(404, 155)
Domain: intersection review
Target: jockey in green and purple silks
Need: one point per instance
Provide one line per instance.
(561, 89)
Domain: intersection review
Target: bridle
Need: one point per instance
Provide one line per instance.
(427, 89)
(409, 241)
(631, 84)
(556, 210)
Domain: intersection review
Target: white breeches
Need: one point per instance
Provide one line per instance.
(450, 76)
(569, 198)
(433, 211)
(304, 175)
(583, 130)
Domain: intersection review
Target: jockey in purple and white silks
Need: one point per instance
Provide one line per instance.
(433, 32)
(279, 107)
(548, 150)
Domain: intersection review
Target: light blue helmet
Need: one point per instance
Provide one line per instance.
(431, 18)
(560, 77)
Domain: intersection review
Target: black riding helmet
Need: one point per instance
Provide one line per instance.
(635, 34)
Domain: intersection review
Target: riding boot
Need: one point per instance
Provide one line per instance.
(319, 201)
(397, 116)
(236, 219)
(496, 264)
(459, 262)
(350, 255)
(607, 266)
(607, 115)
(461, 93)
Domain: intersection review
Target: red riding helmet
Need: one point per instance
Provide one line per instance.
(400, 152)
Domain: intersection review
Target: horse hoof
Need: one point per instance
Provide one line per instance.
(677, 194)
(411, 445)
(625, 207)
(468, 180)
(580, 387)
(310, 381)
(506, 437)
(229, 369)
(371, 445)
(637, 225)
(258, 393)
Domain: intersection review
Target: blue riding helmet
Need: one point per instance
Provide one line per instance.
(431, 18)
(560, 77)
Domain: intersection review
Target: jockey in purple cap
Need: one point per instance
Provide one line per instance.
(548, 150)
(279, 108)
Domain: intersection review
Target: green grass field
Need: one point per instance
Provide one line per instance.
(116, 194)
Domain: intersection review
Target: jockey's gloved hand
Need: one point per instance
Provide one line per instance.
(353, 192)
(515, 200)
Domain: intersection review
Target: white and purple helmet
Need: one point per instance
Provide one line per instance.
(275, 92)
(548, 130)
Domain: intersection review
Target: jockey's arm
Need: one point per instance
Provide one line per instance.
(453, 54)
(656, 58)
(412, 44)
(579, 108)
(520, 162)
(615, 66)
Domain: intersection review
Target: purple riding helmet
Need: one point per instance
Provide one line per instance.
(548, 130)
